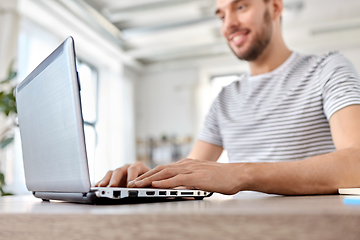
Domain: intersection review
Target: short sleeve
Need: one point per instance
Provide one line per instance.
(341, 84)
(211, 130)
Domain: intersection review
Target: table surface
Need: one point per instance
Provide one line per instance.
(252, 215)
(249, 203)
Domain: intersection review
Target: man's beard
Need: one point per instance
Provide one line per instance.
(260, 43)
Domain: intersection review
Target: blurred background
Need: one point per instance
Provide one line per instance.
(149, 69)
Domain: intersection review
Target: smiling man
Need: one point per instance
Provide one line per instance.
(291, 126)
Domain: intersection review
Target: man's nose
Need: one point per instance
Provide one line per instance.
(231, 22)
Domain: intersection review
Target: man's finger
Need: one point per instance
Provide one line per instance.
(176, 181)
(105, 181)
(132, 174)
(149, 173)
(97, 184)
(135, 171)
(117, 176)
(163, 174)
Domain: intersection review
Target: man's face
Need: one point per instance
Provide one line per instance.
(247, 26)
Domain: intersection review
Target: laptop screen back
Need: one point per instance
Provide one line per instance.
(51, 126)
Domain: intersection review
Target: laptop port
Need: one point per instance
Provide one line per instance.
(116, 194)
(151, 193)
(186, 193)
(173, 193)
(162, 193)
(133, 193)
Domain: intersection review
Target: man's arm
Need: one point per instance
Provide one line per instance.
(206, 151)
(322, 174)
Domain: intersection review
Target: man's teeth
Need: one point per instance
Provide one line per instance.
(237, 38)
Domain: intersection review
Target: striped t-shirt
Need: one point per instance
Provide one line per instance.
(284, 114)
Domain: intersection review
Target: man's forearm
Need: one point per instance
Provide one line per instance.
(322, 174)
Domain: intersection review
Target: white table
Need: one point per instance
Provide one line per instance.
(245, 217)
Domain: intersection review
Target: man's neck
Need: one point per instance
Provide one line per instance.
(272, 57)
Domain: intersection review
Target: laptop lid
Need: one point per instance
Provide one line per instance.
(51, 125)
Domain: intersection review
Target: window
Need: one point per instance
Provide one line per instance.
(89, 84)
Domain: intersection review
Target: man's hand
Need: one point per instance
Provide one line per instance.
(123, 175)
(120, 177)
(195, 174)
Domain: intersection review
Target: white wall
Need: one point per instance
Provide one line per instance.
(165, 103)
(354, 55)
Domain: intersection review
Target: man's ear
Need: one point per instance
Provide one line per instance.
(277, 7)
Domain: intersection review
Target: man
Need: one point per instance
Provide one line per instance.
(291, 127)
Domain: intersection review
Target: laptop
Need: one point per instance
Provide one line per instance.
(53, 141)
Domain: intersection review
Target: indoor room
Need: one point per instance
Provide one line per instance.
(149, 73)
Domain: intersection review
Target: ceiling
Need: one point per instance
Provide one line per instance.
(163, 30)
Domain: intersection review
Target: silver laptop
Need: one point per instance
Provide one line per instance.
(53, 141)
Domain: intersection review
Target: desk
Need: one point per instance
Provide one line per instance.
(246, 217)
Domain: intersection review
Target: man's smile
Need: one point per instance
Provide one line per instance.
(238, 38)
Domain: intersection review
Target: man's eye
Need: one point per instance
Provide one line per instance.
(241, 7)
